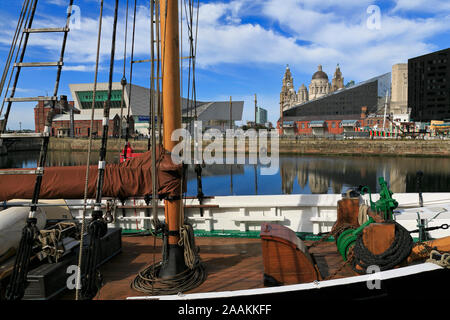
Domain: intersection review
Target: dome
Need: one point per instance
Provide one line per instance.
(320, 74)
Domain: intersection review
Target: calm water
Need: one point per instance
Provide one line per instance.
(297, 174)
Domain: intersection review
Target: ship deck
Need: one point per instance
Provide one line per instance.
(231, 264)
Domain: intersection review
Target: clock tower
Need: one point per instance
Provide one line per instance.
(287, 95)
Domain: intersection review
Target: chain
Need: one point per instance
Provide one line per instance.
(332, 233)
(349, 260)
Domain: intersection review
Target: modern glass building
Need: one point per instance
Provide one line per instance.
(85, 99)
(261, 116)
(429, 86)
(346, 103)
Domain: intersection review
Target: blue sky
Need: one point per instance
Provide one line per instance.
(243, 45)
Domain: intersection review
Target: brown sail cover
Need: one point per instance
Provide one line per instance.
(127, 179)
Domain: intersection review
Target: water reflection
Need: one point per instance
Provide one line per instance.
(338, 174)
(296, 175)
(54, 158)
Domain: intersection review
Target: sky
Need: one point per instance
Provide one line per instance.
(243, 46)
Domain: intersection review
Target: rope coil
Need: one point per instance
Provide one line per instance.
(394, 255)
(147, 281)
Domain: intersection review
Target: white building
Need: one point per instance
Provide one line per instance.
(214, 114)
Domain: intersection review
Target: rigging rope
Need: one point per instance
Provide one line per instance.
(158, 69)
(362, 214)
(441, 259)
(16, 288)
(13, 48)
(147, 281)
(24, 39)
(123, 82)
(98, 226)
(88, 161)
(127, 132)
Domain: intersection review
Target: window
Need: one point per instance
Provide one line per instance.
(333, 124)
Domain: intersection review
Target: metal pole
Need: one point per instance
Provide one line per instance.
(231, 113)
(385, 109)
(256, 109)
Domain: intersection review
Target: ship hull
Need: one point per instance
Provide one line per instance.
(423, 281)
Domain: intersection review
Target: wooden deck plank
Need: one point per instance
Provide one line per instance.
(231, 263)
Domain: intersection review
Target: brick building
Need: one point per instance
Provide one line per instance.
(81, 122)
(41, 111)
(82, 126)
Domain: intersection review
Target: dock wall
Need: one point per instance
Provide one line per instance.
(20, 145)
(381, 147)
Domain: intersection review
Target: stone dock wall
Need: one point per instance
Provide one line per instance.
(381, 147)
(20, 145)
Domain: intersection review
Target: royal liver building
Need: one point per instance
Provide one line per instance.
(319, 86)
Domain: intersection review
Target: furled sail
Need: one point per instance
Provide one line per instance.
(127, 179)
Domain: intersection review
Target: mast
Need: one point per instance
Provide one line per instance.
(256, 109)
(171, 122)
(231, 112)
(385, 109)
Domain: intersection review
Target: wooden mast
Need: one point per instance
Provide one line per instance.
(171, 122)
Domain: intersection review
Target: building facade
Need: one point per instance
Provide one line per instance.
(429, 86)
(318, 87)
(80, 124)
(135, 101)
(399, 97)
(261, 116)
(288, 97)
(41, 111)
(348, 109)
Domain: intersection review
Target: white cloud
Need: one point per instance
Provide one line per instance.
(302, 33)
(79, 68)
(58, 2)
(330, 36)
(422, 5)
(346, 39)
